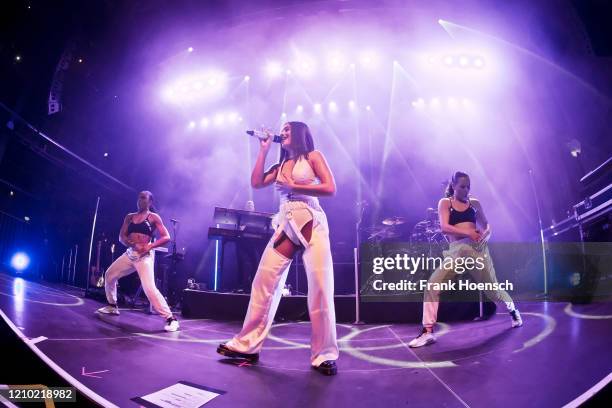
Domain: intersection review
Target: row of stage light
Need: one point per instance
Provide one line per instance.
(432, 105)
(213, 82)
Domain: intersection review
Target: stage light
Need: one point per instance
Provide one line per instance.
(284, 115)
(332, 106)
(288, 72)
(191, 125)
(20, 261)
(232, 117)
(204, 122)
(305, 66)
(336, 63)
(478, 62)
(247, 78)
(451, 103)
(352, 65)
(219, 119)
(419, 103)
(105, 154)
(18, 58)
(240, 119)
(11, 193)
(448, 60)
(80, 60)
(575, 147)
(351, 105)
(464, 61)
(317, 108)
(299, 109)
(190, 49)
(434, 103)
(431, 60)
(203, 85)
(273, 69)
(369, 60)
(466, 102)
(368, 108)
(26, 218)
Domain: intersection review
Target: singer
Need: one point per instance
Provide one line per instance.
(459, 216)
(301, 175)
(137, 234)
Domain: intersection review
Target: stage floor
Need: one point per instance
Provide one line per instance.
(561, 352)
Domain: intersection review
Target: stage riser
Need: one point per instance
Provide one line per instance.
(230, 306)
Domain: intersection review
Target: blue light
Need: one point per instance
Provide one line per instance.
(20, 261)
(19, 288)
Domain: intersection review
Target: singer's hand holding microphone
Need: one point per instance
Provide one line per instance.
(266, 138)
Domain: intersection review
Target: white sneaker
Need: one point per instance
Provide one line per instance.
(423, 339)
(516, 318)
(172, 325)
(110, 310)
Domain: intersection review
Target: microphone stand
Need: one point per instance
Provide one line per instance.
(542, 240)
(361, 205)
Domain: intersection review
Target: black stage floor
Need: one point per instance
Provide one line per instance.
(560, 353)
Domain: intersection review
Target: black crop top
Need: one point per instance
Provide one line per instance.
(469, 215)
(144, 227)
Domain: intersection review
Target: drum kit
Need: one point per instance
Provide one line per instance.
(390, 238)
(425, 231)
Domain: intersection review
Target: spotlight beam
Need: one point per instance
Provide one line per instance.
(350, 159)
(450, 26)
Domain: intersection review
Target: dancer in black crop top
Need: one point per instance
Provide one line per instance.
(465, 224)
(137, 234)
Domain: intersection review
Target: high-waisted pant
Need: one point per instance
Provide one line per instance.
(270, 280)
(462, 248)
(127, 264)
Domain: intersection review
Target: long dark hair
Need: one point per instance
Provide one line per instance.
(301, 142)
(450, 191)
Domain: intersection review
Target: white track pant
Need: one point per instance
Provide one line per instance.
(462, 248)
(270, 279)
(124, 266)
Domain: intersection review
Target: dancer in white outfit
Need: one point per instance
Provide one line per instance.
(301, 175)
(459, 216)
(137, 234)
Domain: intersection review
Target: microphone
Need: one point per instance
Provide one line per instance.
(262, 135)
(174, 221)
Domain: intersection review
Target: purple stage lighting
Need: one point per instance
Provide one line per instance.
(197, 87)
(336, 62)
(273, 69)
(369, 60)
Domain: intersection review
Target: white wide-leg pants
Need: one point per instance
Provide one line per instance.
(270, 280)
(462, 248)
(125, 265)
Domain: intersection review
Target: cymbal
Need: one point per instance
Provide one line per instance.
(394, 221)
(383, 234)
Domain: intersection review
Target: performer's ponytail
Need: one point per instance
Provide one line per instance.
(450, 191)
